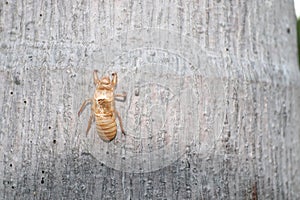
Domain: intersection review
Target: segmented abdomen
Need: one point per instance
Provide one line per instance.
(106, 127)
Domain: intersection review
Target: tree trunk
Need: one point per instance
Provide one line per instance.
(212, 108)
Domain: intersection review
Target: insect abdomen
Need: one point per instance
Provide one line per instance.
(106, 127)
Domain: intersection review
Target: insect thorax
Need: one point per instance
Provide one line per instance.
(104, 94)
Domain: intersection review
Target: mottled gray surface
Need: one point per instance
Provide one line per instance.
(212, 110)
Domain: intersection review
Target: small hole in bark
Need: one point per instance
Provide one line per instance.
(13, 187)
(42, 181)
(49, 127)
(25, 101)
(11, 92)
(6, 2)
(10, 165)
(43, 171)
(107, 152)
(288, 30)
(41, 15)
(227, 49)
(54, 141)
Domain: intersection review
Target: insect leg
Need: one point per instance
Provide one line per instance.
(96, 79)
(114, 79)
(83, 105)
(90, 123)
(120, 121)
(121, 95)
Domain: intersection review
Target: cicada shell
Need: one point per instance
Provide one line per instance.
(103, 110)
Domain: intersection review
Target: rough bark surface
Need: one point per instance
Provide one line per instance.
(212, 110)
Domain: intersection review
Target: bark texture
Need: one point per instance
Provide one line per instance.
(212, 108)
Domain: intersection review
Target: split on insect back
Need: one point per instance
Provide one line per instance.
(103, 107)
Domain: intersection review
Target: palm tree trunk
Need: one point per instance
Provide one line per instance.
(212, 107)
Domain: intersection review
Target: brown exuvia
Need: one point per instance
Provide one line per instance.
(103, 107)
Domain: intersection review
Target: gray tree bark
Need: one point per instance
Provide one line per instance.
(212, 108)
